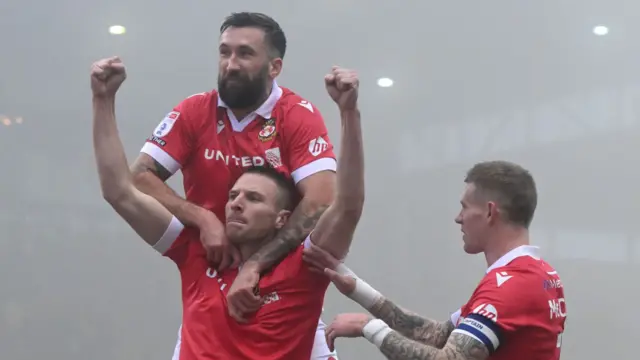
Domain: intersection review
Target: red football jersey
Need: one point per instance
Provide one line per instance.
(211, 147)
(283, 328)
(204, 139)
(518, 310)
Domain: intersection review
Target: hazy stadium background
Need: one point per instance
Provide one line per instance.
(522, 81)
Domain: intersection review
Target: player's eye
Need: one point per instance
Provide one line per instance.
(254, 197)
(245, 52)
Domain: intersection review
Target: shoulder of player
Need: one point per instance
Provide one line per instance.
(512, 277)
(292, 105)
(191, 108)
(293, 272)
(197, 101)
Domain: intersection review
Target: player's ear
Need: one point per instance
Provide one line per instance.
(275, 67)
(492, 211)
(282, 218)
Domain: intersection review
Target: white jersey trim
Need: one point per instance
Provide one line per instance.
(176, 350)
(314, 167)
(320, 347)
(307, 242)
(161, 156)
(455, 317)
(169, 237)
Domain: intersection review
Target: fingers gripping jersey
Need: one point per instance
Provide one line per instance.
(518, 310)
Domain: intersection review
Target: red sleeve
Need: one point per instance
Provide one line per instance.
(496, 309)
(171, 142)
(307, 148)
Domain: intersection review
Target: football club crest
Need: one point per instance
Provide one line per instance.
(268, 130)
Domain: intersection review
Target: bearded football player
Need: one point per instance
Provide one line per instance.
(260, 203)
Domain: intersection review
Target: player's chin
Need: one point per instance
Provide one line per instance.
(471, 249)
(234, 88)
(235, 230)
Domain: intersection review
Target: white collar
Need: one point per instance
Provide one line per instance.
(524, 250)
(267, 107)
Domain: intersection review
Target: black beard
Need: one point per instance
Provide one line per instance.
(244, 92)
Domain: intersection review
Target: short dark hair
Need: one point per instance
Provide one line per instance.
(510, 185)
(287, 192)
(273, 34)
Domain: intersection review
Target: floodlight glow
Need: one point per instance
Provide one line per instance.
(600, 30)
(117, 30)
(385, 82)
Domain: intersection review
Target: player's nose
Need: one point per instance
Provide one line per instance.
(237, 207)
(236, 204)
(232, 64)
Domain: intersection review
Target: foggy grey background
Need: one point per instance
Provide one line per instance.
(521, 81)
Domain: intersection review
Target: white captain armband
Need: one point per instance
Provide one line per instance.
(482, 329)
(169, 237)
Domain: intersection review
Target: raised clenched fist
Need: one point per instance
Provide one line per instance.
(106, 76)
(342, 85)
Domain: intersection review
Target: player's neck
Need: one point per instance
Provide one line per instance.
(247, 250)
(508, 239)
(242, 113)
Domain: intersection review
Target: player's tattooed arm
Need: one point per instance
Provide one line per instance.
(458, 347)
(146, 164)
(302, 221)
(149, 176)
(411, 325)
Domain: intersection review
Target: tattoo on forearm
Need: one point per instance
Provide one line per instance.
(412, 325)
(291, 235)
(459, 347)
(153, 166)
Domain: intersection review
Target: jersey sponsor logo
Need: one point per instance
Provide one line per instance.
(268, 130)
(487, 310)
(557, 308)
(273, 157)
(552, 284)
(166, 124)
(305, 104)
(318, 146)
(157, 140)
(213, 274)
(502, 277)
(243, 161)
